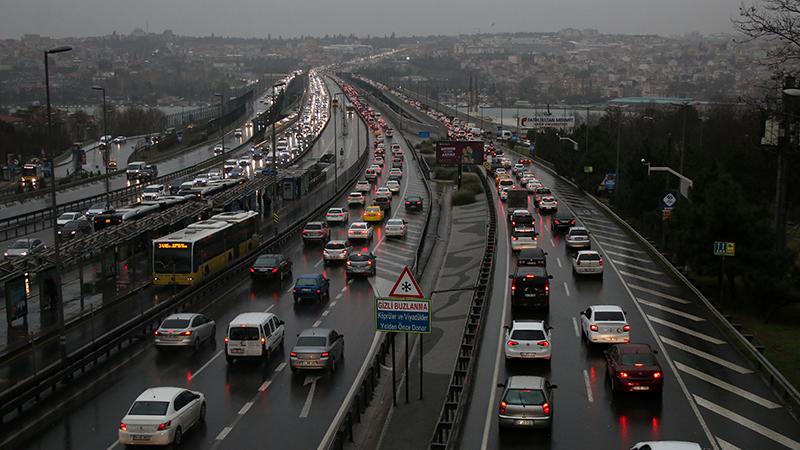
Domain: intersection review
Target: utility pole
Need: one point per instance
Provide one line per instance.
(221, 134)
(107, 143)
(785, 143)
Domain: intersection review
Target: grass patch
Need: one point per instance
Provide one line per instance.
(463, 197)
(779, 338)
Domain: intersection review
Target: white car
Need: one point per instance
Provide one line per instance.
(587, 262)
(532, 186)
(152, 192)
(549, 204)
(120, 139)
(395, 228)
(523, 237)
(363, 186)
(185, 330)
(360, 230)
(528, 339)
(69, 217)
(605, 324)
(229, 164)
(383, 191)
(397, 172)
(335, 250)
(338, 215)
(666, 445)
(503, 194)
(393, 186)
(355, 198)
(237, 132)
(161, 415)
(578, 237)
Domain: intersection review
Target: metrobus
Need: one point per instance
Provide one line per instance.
(245, 229)
(187, 256)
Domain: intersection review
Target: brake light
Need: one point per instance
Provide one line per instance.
(626, 328)
(513, 287)
(593, 327)
(514, 238)
(530, 276)
(325, 354)
(557, 222)
(123, 426)
(601, 262)
(503, 406)
(638, 365)
(623, 374)
(252, 270)
(293, 354)
(547, 286)
(157, 333)
(546, 408)
(543, 344)
(656, 374)
(512, 343)
(318, 291)
(187, 333)
(275, 270)
(369, 263)
(164, 426)
(226, 339)
(349, 263)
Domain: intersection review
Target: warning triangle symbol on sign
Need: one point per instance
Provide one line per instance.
(406, 286)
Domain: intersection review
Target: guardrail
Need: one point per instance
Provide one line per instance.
(448, 427)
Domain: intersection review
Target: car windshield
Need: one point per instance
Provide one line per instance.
(311, 341)
(243, 334)
(306, 282)
(358, 226)
(528, 335)
(590, 257)
(394, 222)
(335, 245)
(578, 233)
(22, 243)
(335, 211)
(313, 226)
(73, 224)
(524, 397)
(633, 359)
(360, 257)
(175, 323)
(148, 408)
(267, 261)
(68, 216)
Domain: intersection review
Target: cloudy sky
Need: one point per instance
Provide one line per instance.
(256, 18)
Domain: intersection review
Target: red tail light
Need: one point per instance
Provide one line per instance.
(547, 286)
(530, 276)
(656, 374)
(593, 327)
(325, 354)
(164, 426)
(626, 328)
(318, 291)
(275, 270)
(543, 344)
(623, 374)
(187, 333)
(601, 262)
(226, 339)
(123, 426)
(512, 343)
(503, 406)
(369, 263)
(349, 263)
(293, 354)
(513, 287)
(557, 222)
(252, 270)
(546, 408)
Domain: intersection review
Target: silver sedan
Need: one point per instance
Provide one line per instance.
(317, 349)
(185, 330)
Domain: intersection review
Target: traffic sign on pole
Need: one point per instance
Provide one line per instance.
(406, 286)
(395, 315)
(722, 248)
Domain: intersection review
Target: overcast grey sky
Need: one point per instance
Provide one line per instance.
(256, 18)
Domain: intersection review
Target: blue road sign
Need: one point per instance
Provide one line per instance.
(403, 316)
(424, 134)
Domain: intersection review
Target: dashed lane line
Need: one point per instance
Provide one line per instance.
(280, 367)
(745, 422)
(705, 355)
(245, 408)
(634, 266)
(193, 375)
(727, 386)
(609, 252)
(558, 260)
(685, 330)
(649, 280)
(264, 386)
(317, 324)
(677, 312)
(566, 288)
(575, 325)
(624, 241)
(659, 294)
(588, 386)
(224, 433)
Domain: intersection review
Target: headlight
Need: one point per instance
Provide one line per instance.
(24, 254)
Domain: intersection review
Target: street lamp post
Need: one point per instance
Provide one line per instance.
(619, 131)
(62, 337)
(273, 118)
(221, 134)
(107, 143)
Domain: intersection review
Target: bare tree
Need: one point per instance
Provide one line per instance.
(777, 21)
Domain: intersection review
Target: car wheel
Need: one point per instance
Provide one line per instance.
(202, 417)
(229, 360)
(176, 440)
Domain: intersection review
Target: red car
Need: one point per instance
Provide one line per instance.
(634, 368)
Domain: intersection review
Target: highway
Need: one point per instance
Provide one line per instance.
(249, 403)
(710, 391)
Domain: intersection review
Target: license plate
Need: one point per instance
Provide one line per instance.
(640, 388)
(307, 363)
(530, 295)
(524, 422)
(527, 354)
(141, 437)
(237, 350)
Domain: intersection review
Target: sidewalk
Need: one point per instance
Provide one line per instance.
(452, 266)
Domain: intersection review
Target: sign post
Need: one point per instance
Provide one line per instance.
(723, 249)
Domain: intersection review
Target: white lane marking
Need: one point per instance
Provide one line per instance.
(319, 262)
(744, 421)
(605, 232)
(566, 288)
(594, 219)
(622, 255)
(280, 367)
(575, 324)
(290, 289)
(685, 330)
(316, 324)
(643, 269)
(113, 445)
(727, 386)
(194, 375)
(245, 408)
(705, 355)
(725, 445)
(588, 386)
(264, 386)
(326, 312)
(344, 288)
(659, 294)
(333, 303)
(269, 308)
(558, 260)
(649, 280)
(606, 238)
(224, 433)
(312, 380)
(627, 249)
(671, 310)
(552, 242)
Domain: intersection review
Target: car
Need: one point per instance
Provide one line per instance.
(634, 368)
(383, 191)
(24, 247)
(548, 203)
(112, 164)
(253, 335)
(371, 174)
(120, 139)
(184, 330)
(563, 220)
(524, 237)
(360, 230)
(362, 262)
(578, 237)
(506, 183)
(526, 402)
(269, 265)
(518, 168)
(311, 286)
(396, 148)
(75, 229)
(385, 202)
(532, 257)
(413, 203)
(372, 213)
(521, 218)
(337, 215)
(393, 186)
(98, 208)
(666, 445)
(237, 132)
(395, 228)
(526, 161)
(335, 250)
(530, 286)
(230, 164)
(363, 186)
(397, 163)
(69, 217)
(532, 186)
(605, 324)
(244, 162)
(528, 339)
(503, 193)
(317, 349)
(396, 172)
(355, 198)
(316, 231)
(160, 416)
(540, 193)
(587, 262)
(378, 161)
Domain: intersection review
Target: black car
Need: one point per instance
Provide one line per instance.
(532, 257)
(385, 203)
(563, 221)
(311, 286)
(413, 203)
(530, 286)
(521, 218)
(269, 266)
(75, 229)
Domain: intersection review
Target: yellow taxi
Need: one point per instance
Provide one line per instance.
(500, 177)
(373, 213)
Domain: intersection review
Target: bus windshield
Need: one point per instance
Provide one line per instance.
(172, 260)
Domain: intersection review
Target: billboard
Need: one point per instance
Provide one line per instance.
(547, 122)
(453, 153)
(16, 298)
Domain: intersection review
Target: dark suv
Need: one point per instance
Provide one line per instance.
(522, 218)
(413, 203)
(530, 286)
(563, 221)
(385, 203)
(311, 286)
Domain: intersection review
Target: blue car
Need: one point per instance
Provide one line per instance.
(311, 286)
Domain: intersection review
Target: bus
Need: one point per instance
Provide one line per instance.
(246, 225)
(122, 215)
(187, 256)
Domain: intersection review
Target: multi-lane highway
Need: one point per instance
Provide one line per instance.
(247, 402)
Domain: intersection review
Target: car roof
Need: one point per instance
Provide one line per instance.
(315, 332)
(525, 381)
(670, 445)
(532, 253)
(359, 224)
(337, 241)
(533, 270)
(182, 316)
(159, 393)
(528, 325)
(588, 252)
(394, 220)
(634, 348)
(251, 318)
(606, 308)
(578, 228)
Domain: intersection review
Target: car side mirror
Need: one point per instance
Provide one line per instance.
(549, 277)
(501, 385)
(549, 327)
(545, 253)
(553, 386)
(341, 336)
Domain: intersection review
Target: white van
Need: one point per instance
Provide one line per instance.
(253, 335)
(505, 135)
(153, 192)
